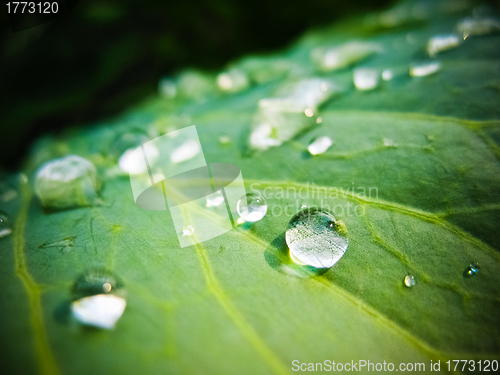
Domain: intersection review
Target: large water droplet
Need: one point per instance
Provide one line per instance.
(67, 182)
(472, 270)
(279, 119)
(478, 26)
(319, 145)
(365, 79)
(409, 281)
(424, 69)
(327, 59)
(5, 224)
(98, 299)
(215, 200)
(316, 238)
(188, 150)
(252, 207)
(440, 43)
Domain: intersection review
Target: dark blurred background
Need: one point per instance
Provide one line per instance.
(104, 55)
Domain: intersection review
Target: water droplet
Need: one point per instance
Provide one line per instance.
(409, 281)
(215, 200)
(5, 224)
(440, 43)
(188, 231)
(319, 145)
(132, 161)
(186, 151)
(365, 79)
(67, 182)
(7, 193)
(472, 269)
(167, 88)
(327, 59)
(279, 119)
(478, 26)
(224, 140)
(316, 238)
(424, 69)
(319, 120)
(252, 207)
(233, 80)
(194, 84)
(389, 143)
(308, 112)
(98, 299)
(387, 75)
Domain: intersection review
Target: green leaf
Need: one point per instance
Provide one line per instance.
(413, 173)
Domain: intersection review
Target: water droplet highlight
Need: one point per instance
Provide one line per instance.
(365, 79)
(316, 238)
(252, 207)
(319, 145)
(98, 299)
(5, 224)
(409, 281)
(188, 231)
(66, 183)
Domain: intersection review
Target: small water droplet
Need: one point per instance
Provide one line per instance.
(409, 281)
(67, 182)
(188, 231)
(472, 270)
(365, 79)
(167, 88)
(98, 299)
(387, 75)
(309, 112)
(252, 207)
(319, 145)
(440, 43)
(215, 200)
(424, 69)
(5, 224)
(389, 143)
(7, 193)
(233, 80)
(313, 240)
(224, 140)
(319, 120)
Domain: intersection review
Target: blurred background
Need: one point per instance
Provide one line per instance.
(104, 55)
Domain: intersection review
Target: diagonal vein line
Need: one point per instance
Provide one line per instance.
(213, 286)
(46, 361)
